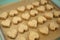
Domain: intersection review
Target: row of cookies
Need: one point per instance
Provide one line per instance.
(26, 15)
(40, 18)
(29, 6)
(22, 28)
(33, 12)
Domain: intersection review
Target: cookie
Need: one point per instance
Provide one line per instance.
(3, 15)
(22, 27)
(20, 38)
(6, 23)
(48, 15)
(21, 8)
(49, 7)
(29, 6)
(43, 2)
(36, 3)
(16, 20)
(41, 19)
(13, 12)
(53, 26)
(26, 15)
(12, 33)
(56, 13)
(41, 8)
(33, 12)
(43, 29)
(32, 23)
(33, 35)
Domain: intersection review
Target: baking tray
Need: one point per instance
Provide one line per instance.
(52, 34)
(2, 37)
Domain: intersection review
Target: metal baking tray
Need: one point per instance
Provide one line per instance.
(52, 35)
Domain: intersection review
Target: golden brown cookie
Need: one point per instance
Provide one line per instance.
(36, 3)
(22, 27)
(3, 15)
(41, 8)
(33, 12)
(43, 29)
(49, 7)
(21, 8)
(32, 23)
(12, 33)
(41, 19)
(26, 15)
(29, 6)
(53, 26)
(16, 20)
(20, 38)
(33, 35)
(48, 15)
(6, 23)
(56, 13)
(44, 1)
(13, 12)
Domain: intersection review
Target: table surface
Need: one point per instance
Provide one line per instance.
(56, 2)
